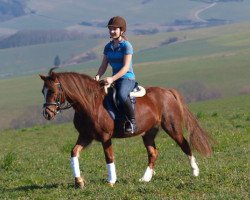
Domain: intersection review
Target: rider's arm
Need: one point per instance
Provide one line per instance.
(125, 68)
(103, 67)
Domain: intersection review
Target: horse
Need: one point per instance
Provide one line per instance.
(159, 108)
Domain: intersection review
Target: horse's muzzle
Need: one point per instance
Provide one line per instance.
(48, 113)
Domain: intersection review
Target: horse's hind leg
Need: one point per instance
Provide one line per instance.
(174, 130)
(149, 143)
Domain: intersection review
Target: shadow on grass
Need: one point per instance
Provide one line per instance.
(36, 187)
(39, 187)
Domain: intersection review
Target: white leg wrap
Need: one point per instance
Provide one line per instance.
(194, 166)
(147, 175)
(111, 173)
(75, 166)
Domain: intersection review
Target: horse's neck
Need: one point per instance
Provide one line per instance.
(87, 102)
(82, 91)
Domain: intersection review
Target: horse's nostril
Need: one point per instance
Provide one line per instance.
(46, 114)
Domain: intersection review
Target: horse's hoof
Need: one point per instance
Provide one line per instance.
(147, 177)
(144, 180)
(196, 172)
(111, 184)
(79, 183)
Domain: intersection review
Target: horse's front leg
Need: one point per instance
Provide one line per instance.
(149, 143)
(109, 156)
(75, 153)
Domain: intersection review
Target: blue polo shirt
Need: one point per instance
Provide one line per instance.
(115, 57)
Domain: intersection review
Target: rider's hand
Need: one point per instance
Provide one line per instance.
(97, 78)
(108, 80)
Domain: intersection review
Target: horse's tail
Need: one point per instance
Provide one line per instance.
(199, 139)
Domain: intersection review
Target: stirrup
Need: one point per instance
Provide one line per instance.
(132, 127)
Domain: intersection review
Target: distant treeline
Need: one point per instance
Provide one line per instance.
(12, 8)
(31, 37)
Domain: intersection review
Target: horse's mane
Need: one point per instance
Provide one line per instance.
(82, 89)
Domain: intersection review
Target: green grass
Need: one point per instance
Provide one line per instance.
(17, 95)
(35, 162)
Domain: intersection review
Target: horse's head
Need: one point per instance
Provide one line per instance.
(53, 95)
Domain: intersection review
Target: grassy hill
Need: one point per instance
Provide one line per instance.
(164, 14)
(35, 164)
(38, 58)
(211, 62)
(54, 15)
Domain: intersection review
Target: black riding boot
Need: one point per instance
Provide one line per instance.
(130, 124)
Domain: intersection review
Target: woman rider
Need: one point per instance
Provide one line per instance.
(118, 53)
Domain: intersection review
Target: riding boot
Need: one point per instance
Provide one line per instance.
(130, 124)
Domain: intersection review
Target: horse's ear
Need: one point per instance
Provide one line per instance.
(42, 77)
(53, 76)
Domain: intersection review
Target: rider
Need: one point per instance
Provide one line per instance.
(118, 53)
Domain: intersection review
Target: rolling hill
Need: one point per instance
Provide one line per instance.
(44, 20)
(209, 65)
(203, 63)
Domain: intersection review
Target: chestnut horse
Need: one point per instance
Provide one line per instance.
(160, 107)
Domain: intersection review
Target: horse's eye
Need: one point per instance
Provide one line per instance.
(50, 92)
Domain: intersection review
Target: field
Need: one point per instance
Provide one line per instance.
(35, 162)
(37, 58)
(54, 15)
(216, 59)
(207, 62)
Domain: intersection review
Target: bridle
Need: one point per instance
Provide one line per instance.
(60, 102)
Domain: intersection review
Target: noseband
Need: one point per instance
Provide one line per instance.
(60, 102)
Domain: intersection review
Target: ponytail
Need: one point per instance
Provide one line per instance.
(124, 37)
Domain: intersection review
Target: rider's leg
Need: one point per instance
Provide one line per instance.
(124, 87)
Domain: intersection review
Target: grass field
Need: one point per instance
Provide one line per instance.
(35, 162)
(217, 71)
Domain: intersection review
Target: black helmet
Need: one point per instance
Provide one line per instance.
(117, 22)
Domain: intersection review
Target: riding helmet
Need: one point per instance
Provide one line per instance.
(117, 22)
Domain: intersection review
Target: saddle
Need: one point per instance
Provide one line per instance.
(112, 105)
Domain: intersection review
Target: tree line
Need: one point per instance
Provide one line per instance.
(32, 37)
